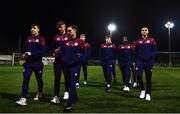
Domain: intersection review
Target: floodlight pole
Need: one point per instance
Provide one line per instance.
(110, 31)
(169, 25)
(169, 35)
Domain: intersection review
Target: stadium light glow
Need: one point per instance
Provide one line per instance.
(169, 25)
(111, 28)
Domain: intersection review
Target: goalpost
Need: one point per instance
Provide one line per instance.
(17, 59)
(6, 59)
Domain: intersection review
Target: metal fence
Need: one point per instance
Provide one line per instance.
(162, 59)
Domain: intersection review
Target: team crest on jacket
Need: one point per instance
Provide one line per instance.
(68, 44)
(148, 41)
(105, 46)
(141, 42)
(37, 40)
(75, 44)
(65, 38)
(29, 41)
(58, 39)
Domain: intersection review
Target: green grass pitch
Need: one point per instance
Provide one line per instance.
(94, 99)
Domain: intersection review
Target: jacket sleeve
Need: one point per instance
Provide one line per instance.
(100, 53)
(119, 53)
(88, 51)
(115, 52)
(154, 49)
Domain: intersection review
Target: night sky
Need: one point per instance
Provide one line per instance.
(92, 17)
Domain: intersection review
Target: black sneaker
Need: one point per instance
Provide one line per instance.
(67, 109)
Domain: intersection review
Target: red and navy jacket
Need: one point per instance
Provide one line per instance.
(86, 52)
(37, 46)
(70, 51)
(107, 52)
(125, 53)
(58, 42)
(145, 49)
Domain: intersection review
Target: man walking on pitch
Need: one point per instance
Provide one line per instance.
(72, 62)
(108, 58)
(34, 49)
(58, 42)
(146, 49)
(84, 56)
(125, 53)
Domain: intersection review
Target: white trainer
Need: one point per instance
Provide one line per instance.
(55, 100)
(126, 89)
(142, 94)
(77, 85)
(85, 83)
(66, 95)
(135, 84)
(148, 97)
(22, 102)
(38, 95)
(108, 85)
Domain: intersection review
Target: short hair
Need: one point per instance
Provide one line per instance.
(74, 27)
(59, 23)
(107, 36)
(144, 27)
(125, 36)
(33, 25)
(82, 35)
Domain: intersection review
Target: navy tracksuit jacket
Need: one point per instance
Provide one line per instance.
(36, 45)
(145, 52)
(108, 59)
(84, 56)
(125, 54)
(58, 42)
(71, 61)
